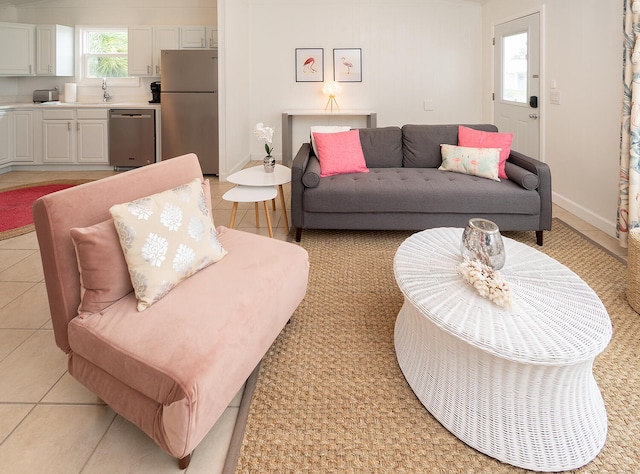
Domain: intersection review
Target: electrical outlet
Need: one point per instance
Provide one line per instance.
(554, 97)
(428, 105)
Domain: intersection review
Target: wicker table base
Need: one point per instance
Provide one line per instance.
(516, 385)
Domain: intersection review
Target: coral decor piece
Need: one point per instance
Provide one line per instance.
(487, 282)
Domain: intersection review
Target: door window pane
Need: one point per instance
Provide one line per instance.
(514, 68)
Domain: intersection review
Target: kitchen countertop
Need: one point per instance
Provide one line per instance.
(77, 105)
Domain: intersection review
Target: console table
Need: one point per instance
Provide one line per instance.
(287, 124)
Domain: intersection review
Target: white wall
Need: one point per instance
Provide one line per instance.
(412, 51)
(583, 54)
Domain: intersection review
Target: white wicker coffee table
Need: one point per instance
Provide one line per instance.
(516, 385)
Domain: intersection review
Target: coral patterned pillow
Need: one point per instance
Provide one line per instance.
(482, 162)
(340, 153)
(470, 137)
(166, 238)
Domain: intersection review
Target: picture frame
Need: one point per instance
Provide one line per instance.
(309, 64)
(347, 64)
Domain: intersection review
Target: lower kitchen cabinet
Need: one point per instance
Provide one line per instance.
(22, 136)
(5, 133)
(75, 136)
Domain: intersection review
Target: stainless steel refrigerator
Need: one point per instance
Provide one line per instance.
(189, 105)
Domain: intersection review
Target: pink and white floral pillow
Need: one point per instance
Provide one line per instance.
(166, 238)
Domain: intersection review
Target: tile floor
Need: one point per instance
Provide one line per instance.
(49, 423)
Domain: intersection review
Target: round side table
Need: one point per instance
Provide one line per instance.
(254, 194)
(255, 176)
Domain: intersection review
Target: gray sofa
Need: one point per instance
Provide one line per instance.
(404, 190)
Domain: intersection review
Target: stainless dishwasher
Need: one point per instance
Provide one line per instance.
(132, 137)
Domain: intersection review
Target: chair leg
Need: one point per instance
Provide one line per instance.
(183, 463)
(298, 234)
(539, 237)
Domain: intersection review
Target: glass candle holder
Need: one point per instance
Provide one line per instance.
(481, 241)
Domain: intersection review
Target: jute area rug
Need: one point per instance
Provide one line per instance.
(331, 398)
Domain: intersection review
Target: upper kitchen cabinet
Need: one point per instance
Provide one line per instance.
(145, 44)
(140, 50)
(198, 37)
(164, 37)
(54, 50)
(17, 49)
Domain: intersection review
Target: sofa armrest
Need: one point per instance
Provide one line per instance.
(543, 172)
(298, 168)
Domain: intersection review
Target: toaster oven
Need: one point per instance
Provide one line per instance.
(45, 95)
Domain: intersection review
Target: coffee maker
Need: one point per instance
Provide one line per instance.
(155, 92)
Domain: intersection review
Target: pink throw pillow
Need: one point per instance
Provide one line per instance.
(469, 137)
(104, 276)
(340, 153)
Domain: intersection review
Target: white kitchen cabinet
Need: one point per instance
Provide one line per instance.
(23, 139)
(145, 44)
(193, 37)
(5, 133)
(212, 37)
(54, 50)
(164, 37)
(93, 136)
(17, 49)
(58, 136)
(75, 136)
(140, 50)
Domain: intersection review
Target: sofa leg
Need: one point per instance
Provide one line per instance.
(539, 237)
(183, 463)
(298, 234)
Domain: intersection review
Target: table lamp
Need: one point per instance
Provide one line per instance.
(331, 89)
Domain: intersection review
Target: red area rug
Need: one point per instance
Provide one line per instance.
(15, 205)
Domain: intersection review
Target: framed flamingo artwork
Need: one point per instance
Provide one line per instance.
(347, 65)
(309, 64)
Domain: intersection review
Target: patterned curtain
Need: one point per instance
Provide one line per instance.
(629, 192)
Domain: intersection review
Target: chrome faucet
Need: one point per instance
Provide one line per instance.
(105, 93)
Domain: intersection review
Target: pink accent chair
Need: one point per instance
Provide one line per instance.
(174, 368)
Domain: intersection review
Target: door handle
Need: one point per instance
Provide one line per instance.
(533, 116)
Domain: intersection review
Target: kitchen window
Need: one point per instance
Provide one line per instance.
(103, 53)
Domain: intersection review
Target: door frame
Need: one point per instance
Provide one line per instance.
(542, 99)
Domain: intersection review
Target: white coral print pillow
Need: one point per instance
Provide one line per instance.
(166, 238)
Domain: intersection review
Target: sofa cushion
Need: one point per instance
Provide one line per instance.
(340, 153)
(104, 277)
(419, 190)
(166, 238)
(482, 162)
(421, 143)
(478, 138)
(382, 147)
(217, 318)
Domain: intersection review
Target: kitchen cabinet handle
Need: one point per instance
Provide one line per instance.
(148, 69)
(69, 126)
(157, 69)
(78, 126)
(202, 42)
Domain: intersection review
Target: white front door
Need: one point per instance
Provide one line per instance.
(517, 82)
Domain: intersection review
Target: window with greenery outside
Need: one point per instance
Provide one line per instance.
(106, 54)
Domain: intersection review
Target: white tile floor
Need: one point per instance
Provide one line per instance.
(49, 422)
